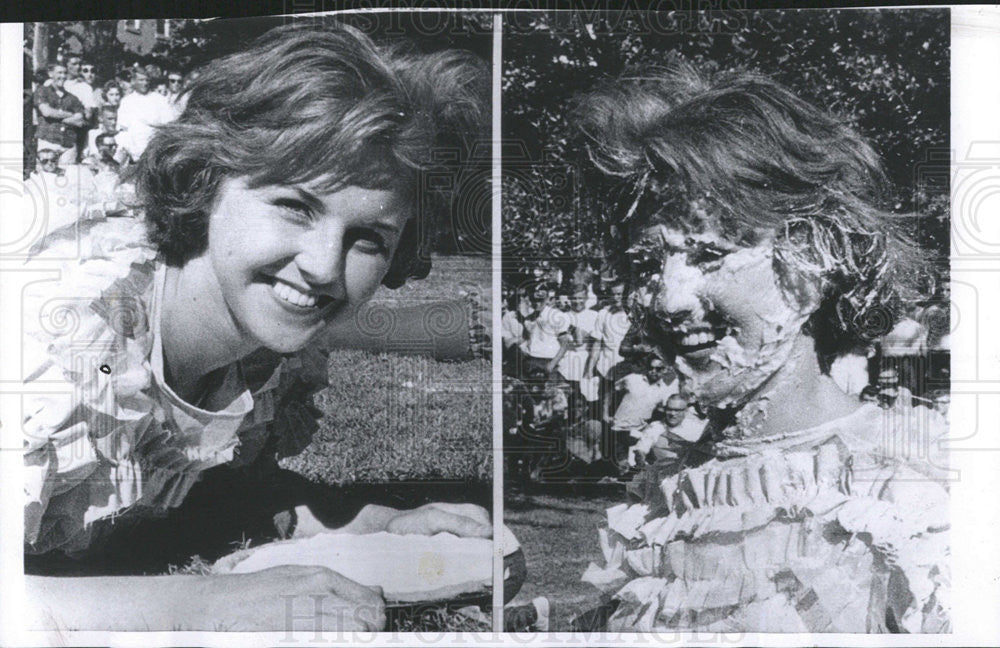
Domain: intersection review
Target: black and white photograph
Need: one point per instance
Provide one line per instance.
(536, 323)
(255, 343)
(726, 321)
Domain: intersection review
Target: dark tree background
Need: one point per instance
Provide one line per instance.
(886, 72)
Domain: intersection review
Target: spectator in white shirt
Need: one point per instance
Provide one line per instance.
(542, 329)
(670, 435)
(139, 114)
(73, 62)
(582, 321)
(610, 329)
(512, 322)
(82, 86)
(642, 394)
(108, 126)
(175, 95)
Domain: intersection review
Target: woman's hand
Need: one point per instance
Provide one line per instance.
(291, 597)
(463, 520)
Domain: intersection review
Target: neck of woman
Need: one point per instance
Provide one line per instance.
(197, 339)
(797, 397)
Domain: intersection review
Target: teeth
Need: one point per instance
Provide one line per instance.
(695, 339)
(293, 296)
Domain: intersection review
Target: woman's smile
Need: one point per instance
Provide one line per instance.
(717, 309)
(290, 260)
(299, 300)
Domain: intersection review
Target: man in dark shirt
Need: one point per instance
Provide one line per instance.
(61, 115)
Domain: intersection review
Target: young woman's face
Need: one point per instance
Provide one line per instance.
(290, 260)
(719, 309)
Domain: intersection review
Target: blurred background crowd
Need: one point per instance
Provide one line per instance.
(584, 399)
(94, 93)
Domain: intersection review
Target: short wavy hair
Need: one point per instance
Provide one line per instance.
(747, 149)
(310, 103)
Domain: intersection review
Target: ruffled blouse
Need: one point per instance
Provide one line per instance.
(842, 528)
(104, 435)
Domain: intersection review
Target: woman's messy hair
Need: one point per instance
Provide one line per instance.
(745, 149)
(310, 103)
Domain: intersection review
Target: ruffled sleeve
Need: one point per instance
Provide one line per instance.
(85, 347)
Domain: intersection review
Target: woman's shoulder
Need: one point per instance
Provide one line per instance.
(85, 348)
(91, 279)
(85, 318)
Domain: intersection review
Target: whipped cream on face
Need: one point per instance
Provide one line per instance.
(733, 371)
(293, 295)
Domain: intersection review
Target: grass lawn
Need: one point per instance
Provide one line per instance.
(392, 417)
(395, 418)
(558, 534)
(389, 417)
(449, 277)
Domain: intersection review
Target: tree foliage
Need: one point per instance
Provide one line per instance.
(884, 72)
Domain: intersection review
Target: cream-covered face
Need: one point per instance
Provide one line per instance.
(720, 310)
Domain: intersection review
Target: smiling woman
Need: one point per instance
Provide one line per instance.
(758, 235)
(284, 196)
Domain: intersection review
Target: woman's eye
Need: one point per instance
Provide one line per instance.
(645, 258)
(295, 211)
(367, 241)
(706, 255)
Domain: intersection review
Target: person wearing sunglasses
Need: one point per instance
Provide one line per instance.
(47, 162)
(175, 91)
(82, 87)
(108, 125)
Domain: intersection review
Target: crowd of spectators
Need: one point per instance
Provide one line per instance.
(85, 133)
(585, 399)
